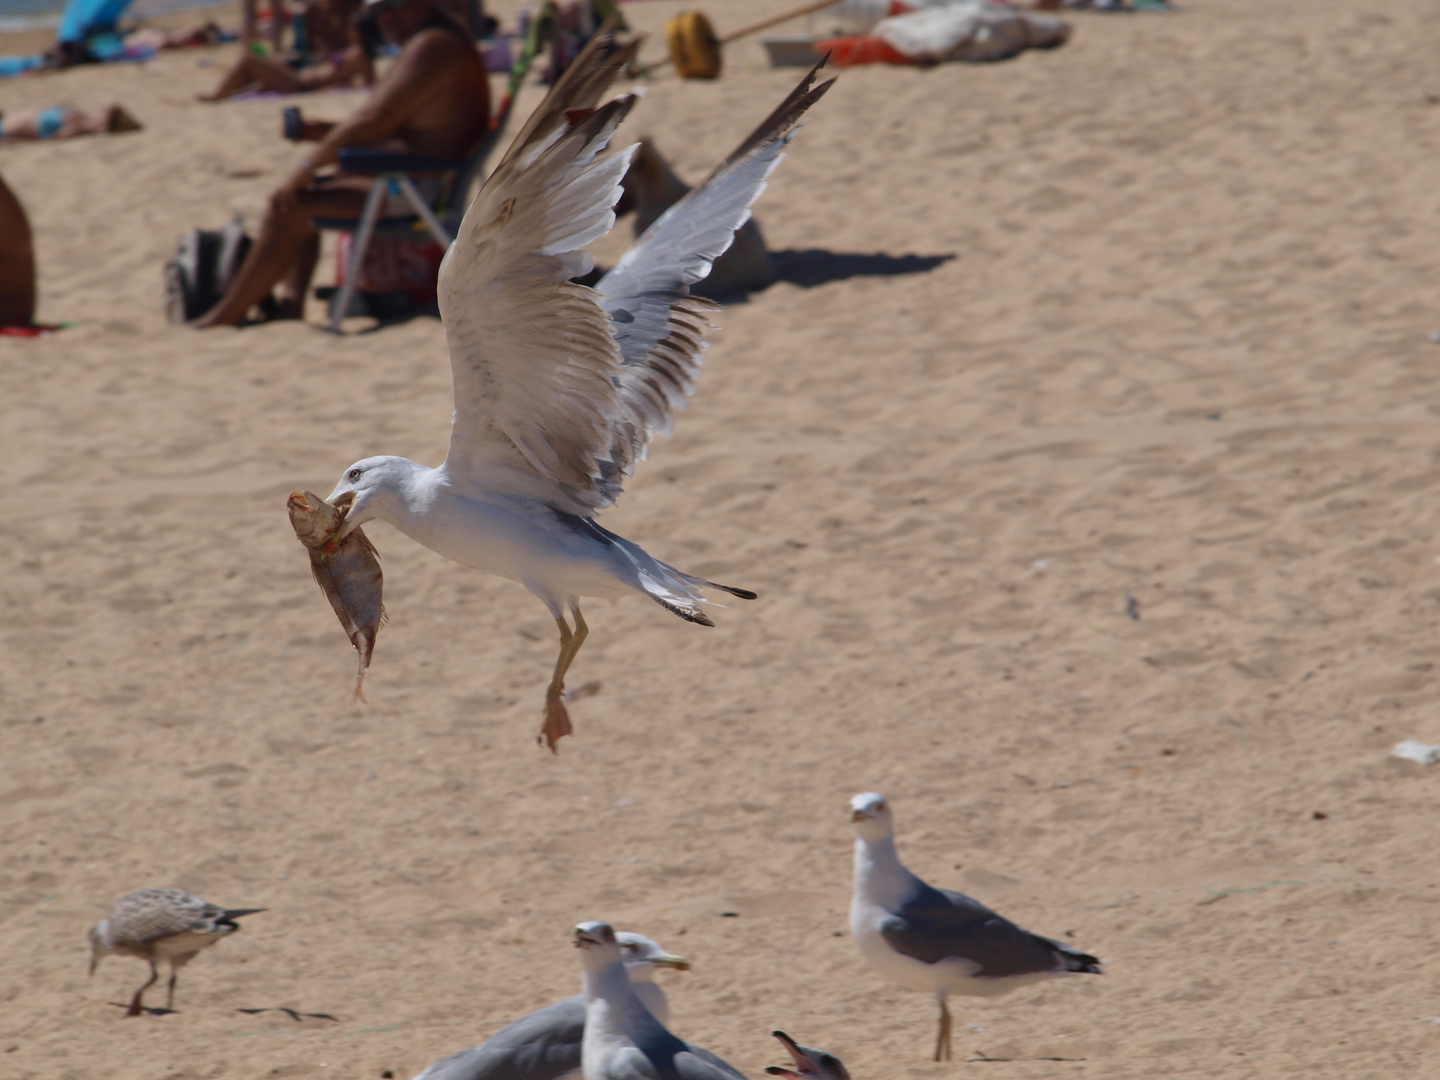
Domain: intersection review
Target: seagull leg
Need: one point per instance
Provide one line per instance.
(942, 1040)
(170, 994)
(557, 719)
(136, 1008)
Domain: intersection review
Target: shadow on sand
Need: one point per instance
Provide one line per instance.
(810, 267)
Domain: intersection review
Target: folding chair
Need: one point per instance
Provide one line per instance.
(394, 174)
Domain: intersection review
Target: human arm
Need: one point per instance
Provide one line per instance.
(418, 76)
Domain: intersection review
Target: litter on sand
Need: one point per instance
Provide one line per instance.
(1412, 750)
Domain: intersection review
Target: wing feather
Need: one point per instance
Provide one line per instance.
(559, 388)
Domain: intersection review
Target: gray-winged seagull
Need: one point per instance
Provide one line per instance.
(559, 388)
(161, 924)
(936, 940)
(808, 1062)
(623, 1039)
(546, 1044)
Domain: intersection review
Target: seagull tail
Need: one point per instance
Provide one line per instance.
(674, 590)
(1072, 959)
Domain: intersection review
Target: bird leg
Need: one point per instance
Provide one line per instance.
(170, 995)
(136, 1008)
(942, 1040)
(557, 719)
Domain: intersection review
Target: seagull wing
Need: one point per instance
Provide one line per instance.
(937, 924)
(535, 365)
(544, 1045)
(659, 327)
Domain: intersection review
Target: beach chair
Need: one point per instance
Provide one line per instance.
(395, 174)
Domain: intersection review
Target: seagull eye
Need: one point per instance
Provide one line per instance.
(354, 474)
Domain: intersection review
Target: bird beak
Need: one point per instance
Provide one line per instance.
(803, 1065)
(344, 501)
(858, 815)
(669, 960)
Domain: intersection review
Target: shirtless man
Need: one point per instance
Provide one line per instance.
(434, 101)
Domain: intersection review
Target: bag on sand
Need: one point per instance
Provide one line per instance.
(205, 261)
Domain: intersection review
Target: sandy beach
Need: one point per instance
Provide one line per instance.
(1088, 470)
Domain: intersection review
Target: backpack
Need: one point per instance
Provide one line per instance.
(205, 261)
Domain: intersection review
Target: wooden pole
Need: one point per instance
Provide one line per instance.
(762, 24)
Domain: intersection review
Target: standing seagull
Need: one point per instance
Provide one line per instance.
(161, 924)
(937, 940)
(546, 1044)
(623, 1040)
(558, 387)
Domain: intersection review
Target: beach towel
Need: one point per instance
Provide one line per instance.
(972, 31)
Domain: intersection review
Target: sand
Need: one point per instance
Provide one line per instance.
(1147, 317)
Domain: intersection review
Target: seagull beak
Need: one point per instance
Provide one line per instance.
(670, 960)
(803, 1065)
(858, 815)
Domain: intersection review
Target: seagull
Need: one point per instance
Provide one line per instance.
(161, 924)
(546, 1044)
(808, 1062)
(936, 940)
(623, 1039)
(559, 388)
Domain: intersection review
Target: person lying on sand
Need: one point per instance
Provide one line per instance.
(331, 36)
(434, 101)
(63, 122)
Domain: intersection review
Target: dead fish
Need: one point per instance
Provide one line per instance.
(347, 570)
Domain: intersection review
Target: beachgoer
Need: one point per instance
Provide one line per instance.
(434, 101)
(17, 262)
(338, 58)
(279, 19)
(63, 122)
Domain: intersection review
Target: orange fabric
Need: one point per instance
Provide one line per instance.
(854, 51)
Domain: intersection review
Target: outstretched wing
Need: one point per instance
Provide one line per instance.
(531, 353)
(659, 327)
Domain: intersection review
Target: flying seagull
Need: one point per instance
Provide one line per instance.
(808, 1062)
(623, 1039)
(161, 924)
(546, 1044)
(559, 388)
(936, 940)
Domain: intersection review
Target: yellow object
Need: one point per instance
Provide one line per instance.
(694, 48)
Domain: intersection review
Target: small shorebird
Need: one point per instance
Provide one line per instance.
(546, 1044)
(559, 388)
(936, 940)
(161, 924)
(808, 1062)
(623, 1039)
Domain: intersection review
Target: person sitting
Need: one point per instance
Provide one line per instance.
(17, 262)
(62, 122)
(339, 58)
(434, 101)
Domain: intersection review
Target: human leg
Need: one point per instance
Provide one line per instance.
(286, 248)
(255, 71)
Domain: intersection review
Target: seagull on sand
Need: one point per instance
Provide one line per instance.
(936, 940)
(546, 1044)
(808, 1062)
(559, 387)
(623, 1039)
(161, 924)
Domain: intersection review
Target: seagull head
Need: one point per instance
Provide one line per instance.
(644, 957)
(597, 945)
(870, 813)
(808, 1062)
(99, 943)
(372, 488)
